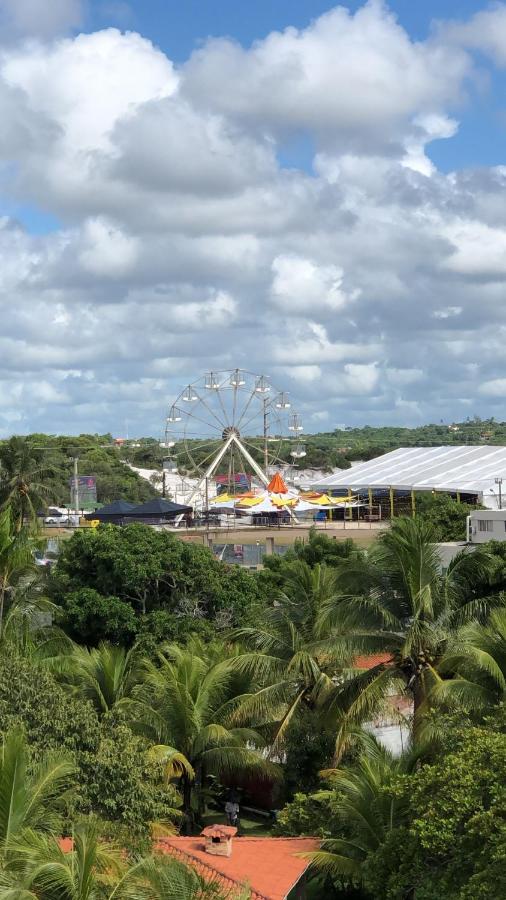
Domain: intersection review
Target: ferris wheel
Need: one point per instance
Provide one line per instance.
(232, 425)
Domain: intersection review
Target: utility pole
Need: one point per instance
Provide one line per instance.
(76, 485)
(498, 482)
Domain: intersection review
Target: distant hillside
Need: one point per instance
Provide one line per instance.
(97, 456)
(100, 456)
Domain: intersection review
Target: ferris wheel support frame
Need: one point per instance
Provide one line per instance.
(232, 439)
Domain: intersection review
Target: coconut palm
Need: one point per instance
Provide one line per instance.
(32, 795)
(186, 705)
(16, 559)
(365, 811)
(86, 867)
(398, 603)
(106, 674)
(23, 475)
(476, 664)
(27, 629)
(287, 656)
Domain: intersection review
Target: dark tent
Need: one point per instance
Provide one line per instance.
(113, 513)
(153, 512)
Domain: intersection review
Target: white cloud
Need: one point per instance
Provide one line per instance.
(349, 78)
(369, 284)
(478, 248)
(106, 250)
(41, 18)
(302, 286)
(494, 388)
(88, 83)
(485, 31)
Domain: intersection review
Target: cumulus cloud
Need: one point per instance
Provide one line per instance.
(368, 283)
(354, 80)
(485, 31)
(40, 18)
(301, 286)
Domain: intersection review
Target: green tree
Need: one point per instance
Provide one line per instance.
(115, 778)
(16, 558)
(32, 795)
(23, 474)
(154, 570)
(445, 516)
(94, 869)
(187, 704)
(286, 655)
(451, 842)
(396, 602)
(89, 617)
(106, 675)
(365, 812)
(476, 664)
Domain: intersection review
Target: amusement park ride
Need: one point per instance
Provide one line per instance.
(233, 426)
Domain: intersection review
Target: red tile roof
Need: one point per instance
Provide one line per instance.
(270, 867)
(373, 659)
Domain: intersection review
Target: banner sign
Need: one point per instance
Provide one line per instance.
(87, 488)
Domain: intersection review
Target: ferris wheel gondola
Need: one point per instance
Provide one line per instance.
(234, 425)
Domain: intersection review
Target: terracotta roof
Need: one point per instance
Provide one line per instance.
(270, 867)
(374, 659)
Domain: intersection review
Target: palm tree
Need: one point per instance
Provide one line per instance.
(365, 810)
(397, 602)
(86, 867)
(32, 795)
(476, 664)
(22, 479)
(106, 674)
(187, 704)
(288, 658)
(16, 559)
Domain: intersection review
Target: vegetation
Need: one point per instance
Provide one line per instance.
(129, 573)
(36, 472)
(142, 679)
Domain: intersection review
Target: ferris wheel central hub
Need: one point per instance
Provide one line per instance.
(230, 423)
(229, 430)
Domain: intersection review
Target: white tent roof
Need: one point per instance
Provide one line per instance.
(471, 470)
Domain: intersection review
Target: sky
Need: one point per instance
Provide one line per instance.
(310, 191)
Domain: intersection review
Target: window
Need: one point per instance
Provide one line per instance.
(486, 525)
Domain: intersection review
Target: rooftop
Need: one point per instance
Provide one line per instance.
(270, 867)
(464, 469)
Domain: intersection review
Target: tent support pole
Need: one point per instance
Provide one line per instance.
(413, 504)
(392, 503)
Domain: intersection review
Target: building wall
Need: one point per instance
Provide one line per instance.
(487, 525)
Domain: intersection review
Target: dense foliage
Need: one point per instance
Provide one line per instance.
(451, 838)
(108, 579)
(445, 516)
(36, 471)
(115, 779)
(155, 678)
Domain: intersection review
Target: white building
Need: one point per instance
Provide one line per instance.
(485, 525)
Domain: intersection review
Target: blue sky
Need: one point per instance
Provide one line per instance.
(180, 28)
(327, 208)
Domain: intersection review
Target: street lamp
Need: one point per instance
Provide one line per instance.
(498, 482)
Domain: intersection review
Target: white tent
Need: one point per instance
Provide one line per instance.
(458, 470)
